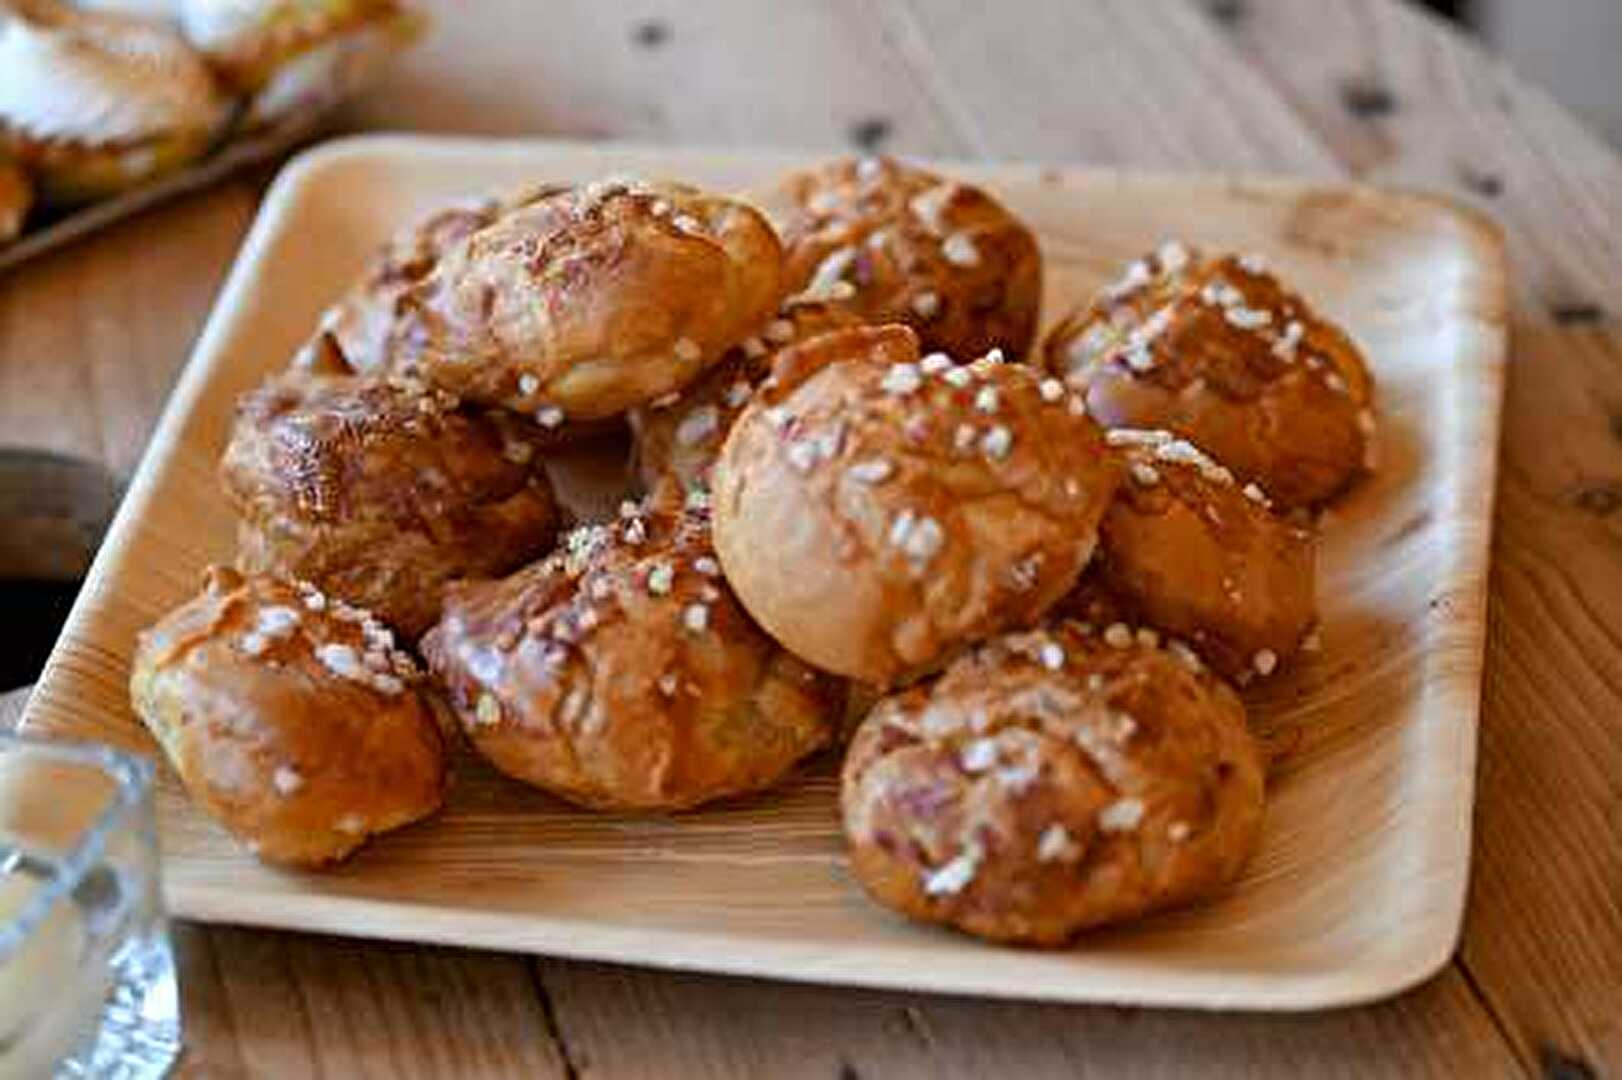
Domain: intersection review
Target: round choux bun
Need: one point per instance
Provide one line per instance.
(1217, 350)
(1052, 781)
(587, 300)
(290, 716)
(876, 511)
(1190, 551)
(621, 674)
(897, 243)
(380, 490)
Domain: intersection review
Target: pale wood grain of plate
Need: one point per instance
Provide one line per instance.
(1358, 888)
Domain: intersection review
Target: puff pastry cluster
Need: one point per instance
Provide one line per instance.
(1022, 583)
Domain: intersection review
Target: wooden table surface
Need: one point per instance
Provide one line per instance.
(92, 337)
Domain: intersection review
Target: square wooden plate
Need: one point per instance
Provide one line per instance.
(1358, 889)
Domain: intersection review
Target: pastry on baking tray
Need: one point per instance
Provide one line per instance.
(1052, 781)
(901, 244)
(94, 103)
(292, 57)
(290, 717)
(680, 434)
(16, 198)
(876, 510)
(588, 300)
(1188, 549)
(1218, 351)
(380, 491)
(621, 674)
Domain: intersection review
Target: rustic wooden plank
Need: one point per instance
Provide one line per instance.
(1401, 100)
(628, 1024)
(92, 336)
(1116, 82)
(720, 73)
(263, 1004)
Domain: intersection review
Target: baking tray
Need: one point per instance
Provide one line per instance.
(1358, 887)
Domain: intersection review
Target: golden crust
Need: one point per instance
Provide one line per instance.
(381, 491)
(363, 320)
(680, 436)
(358, 332)
(1190, 552)
(16, 198)
(291, 718)
(876, 512)
(901, 244)
(1050, 782)
(1218, 351)
(621, 673)
(589, 300)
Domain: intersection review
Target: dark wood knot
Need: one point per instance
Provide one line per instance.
(1366, 97)
(1601, 500)
(1556, 1065)
(650, 33)
(1488, 185)
(870, 132)
(1576, 312)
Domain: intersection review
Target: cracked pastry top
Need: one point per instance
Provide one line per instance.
(877, 510)
(896, 243)
(585, 301)
(362, 322)
(381, 490)
(620, 673)
(290, 716)
(1052, 781)
(1216, 350)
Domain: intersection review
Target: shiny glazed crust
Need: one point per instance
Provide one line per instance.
(363, 320)
(1049, 782)
(589, 300)
(380, 491)
(359, 332)
(290, 717)
(621, 674)
(877, 511)
(899, 244)
(1191, 552)
(1216, 350)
